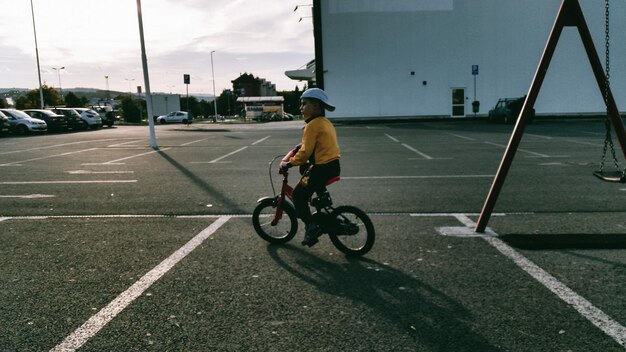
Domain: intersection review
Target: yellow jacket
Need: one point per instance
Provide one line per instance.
(319, 143)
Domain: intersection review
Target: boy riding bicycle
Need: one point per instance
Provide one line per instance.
(318, 154)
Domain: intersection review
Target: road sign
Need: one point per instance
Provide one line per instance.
(186, 79)
(474, 70)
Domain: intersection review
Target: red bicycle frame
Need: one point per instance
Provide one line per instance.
(285, 190)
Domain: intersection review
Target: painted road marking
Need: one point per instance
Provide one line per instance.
(192, 142)
(261, 140)
(89, 172)
(117, 161)
(29, 196)
(62, 182)
(16, 163)
(423, 155)
(392, 138)
(106, 314)
(521, 150)
(121, 144)
(417, 151)
(413, 177)
(56, 145)
(462, 137)
(596, 316)
(229, 154)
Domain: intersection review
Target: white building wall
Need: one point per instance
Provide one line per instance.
(370, 48)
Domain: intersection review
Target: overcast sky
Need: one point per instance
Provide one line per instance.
(94, 38)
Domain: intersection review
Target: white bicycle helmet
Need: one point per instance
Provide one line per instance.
(316, 93)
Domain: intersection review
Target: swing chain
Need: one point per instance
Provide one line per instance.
(608, 141)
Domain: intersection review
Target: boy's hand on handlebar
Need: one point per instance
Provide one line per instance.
(284, 166)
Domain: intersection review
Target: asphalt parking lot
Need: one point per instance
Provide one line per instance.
(109, 245)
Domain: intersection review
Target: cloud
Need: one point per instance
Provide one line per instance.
(92, 40)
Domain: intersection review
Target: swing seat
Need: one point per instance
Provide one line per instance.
(611, 176)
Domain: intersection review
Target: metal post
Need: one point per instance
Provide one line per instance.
(58, 69)
(214, 96)
(146, 79)
(37, 55)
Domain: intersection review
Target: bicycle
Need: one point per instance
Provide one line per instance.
(349, 228)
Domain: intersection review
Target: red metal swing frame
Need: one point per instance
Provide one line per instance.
(570, 15)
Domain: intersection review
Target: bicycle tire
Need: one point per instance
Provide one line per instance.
(352, 244)
(283, 231)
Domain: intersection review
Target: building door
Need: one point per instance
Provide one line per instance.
(458, 102)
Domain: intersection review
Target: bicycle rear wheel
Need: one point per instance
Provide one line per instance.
(353, 232)
(284, 230)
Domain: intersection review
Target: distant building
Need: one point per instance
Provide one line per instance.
(264, 108)
(404, 58)
(246, 85)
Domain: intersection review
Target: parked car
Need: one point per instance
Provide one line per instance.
(74, 120)
(54, 121)
(4, 124)
(507, 110)
(110, 117)
(175, 116)
(21, 123)
(107, 114)
(91, 117)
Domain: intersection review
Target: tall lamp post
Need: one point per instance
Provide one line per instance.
(130, 92)
(106, 78)
(214, 96)
(58, 69)
(146, 79)
(37, 54)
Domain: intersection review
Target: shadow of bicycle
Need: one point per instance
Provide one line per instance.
(418, 310)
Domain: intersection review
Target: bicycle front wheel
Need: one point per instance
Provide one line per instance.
(280, 232)
(353, 232)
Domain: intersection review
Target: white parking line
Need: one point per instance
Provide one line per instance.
(106, 314)
(121, 144)
(459, 136)
(16, 163)
(117, 161)
(392, 138)
(412, 177)
(56, 145)
(62, 182)
(229, 154)
(521, 150)
(89, 172)
(596, 316)
(260, 140)
(539, 136)
(423, 155)
(29, 196)
(192, 142)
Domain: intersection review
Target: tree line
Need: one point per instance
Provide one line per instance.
(134, 110)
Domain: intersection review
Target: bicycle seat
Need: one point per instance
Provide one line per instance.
(333, 180)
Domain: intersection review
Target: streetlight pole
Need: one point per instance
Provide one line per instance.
(37, 54)
(130, 92)
(106, 78)
(146, 79)
(58, 69)
(214, 96)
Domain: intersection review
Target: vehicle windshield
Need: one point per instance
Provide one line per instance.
(17, 114)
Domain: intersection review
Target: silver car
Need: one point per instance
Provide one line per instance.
(175, 116)
(91, 117)
(21, 123)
